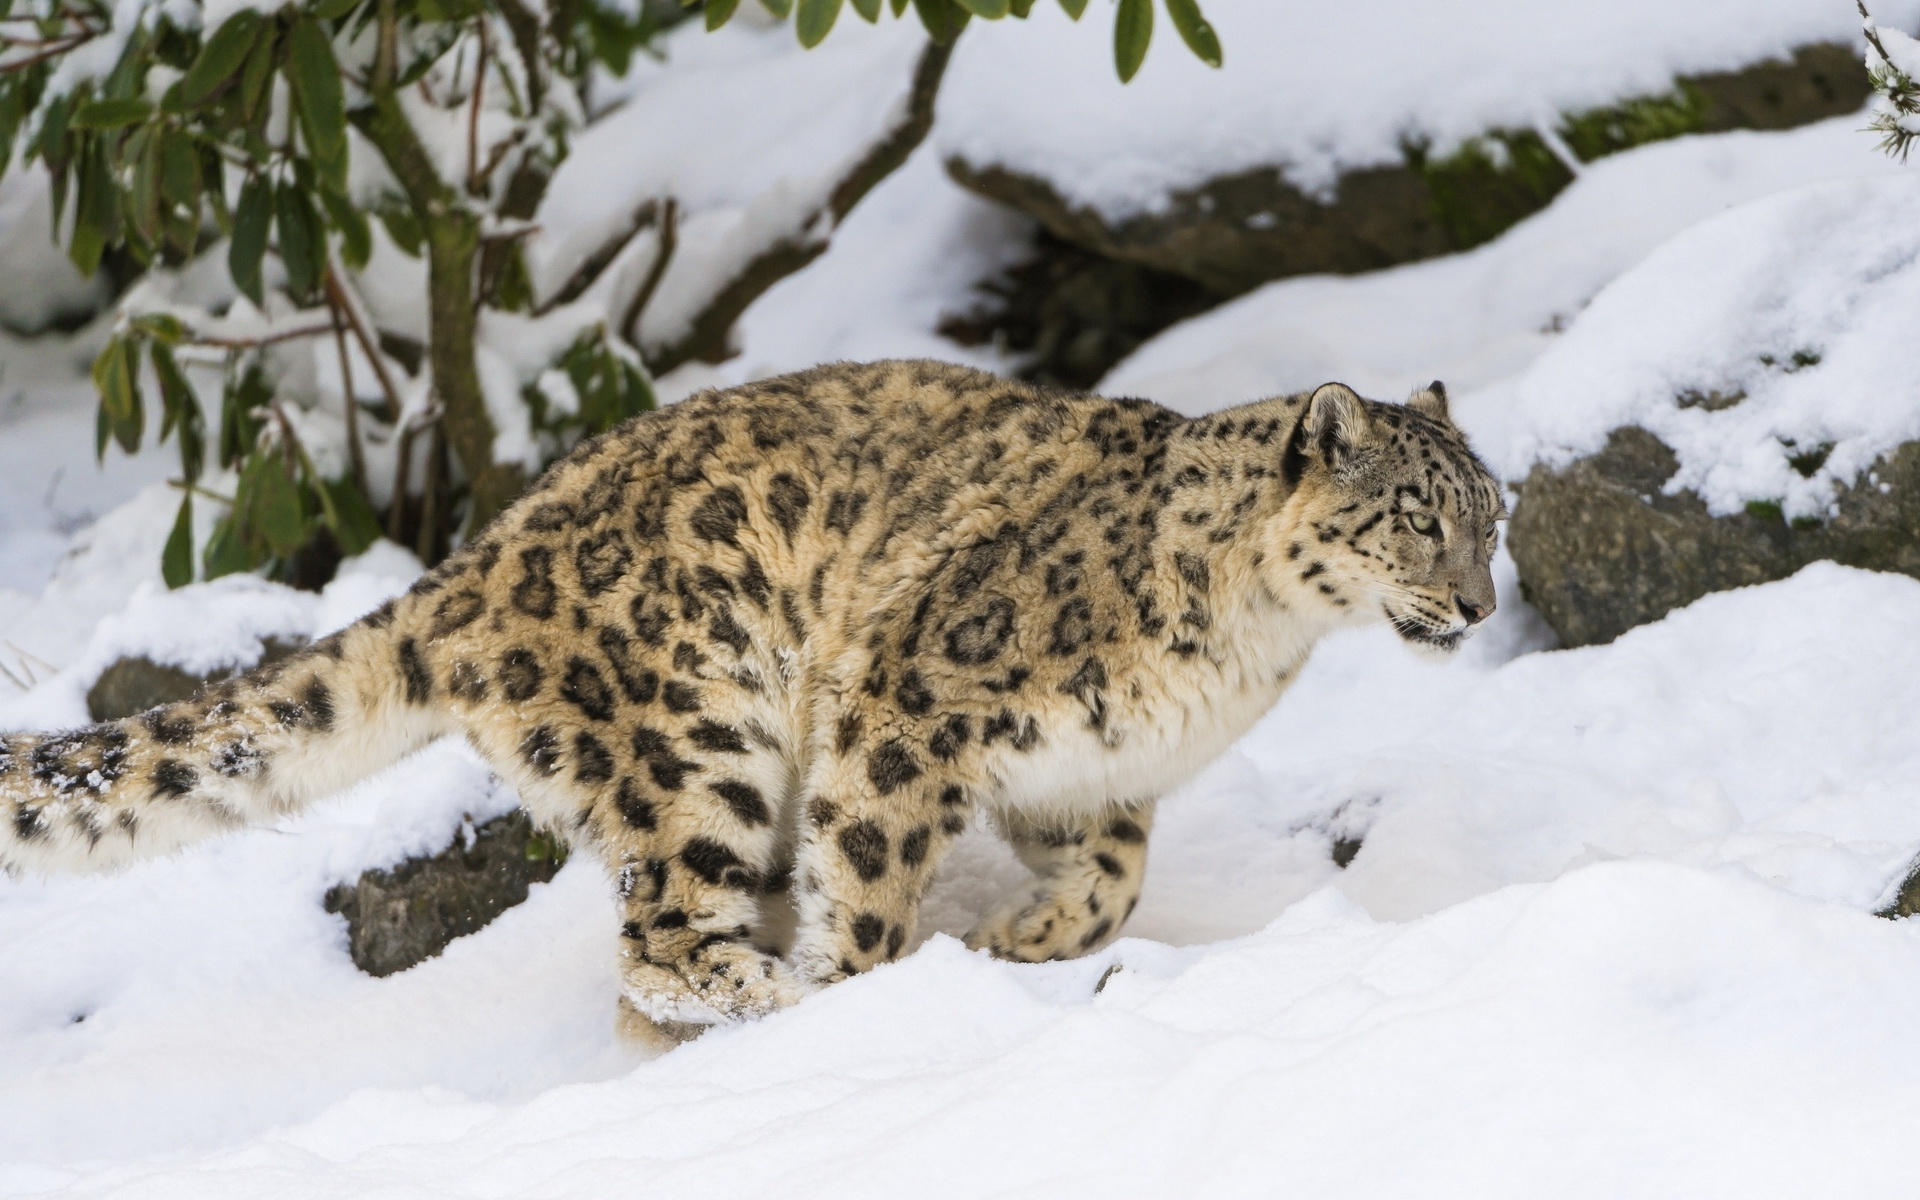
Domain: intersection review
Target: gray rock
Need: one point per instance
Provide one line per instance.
(1601, 550)
(1236, 232)
(133, 685)
(405, 914)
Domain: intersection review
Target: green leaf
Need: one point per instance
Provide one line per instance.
(213, 183)
(1194, 30)
(114, 378)
(255, 76)
(347, 513)
(943, 19)
(1073, 8)
(333, 10)
(356, 240)
(899, 8)
(869, 10)
(96, 218)
(315, 77)
(989, 10)
(719, 12)
(244, 394)
(180, 407)
(143, 202)
(179, 170)
(402, 227)
(302, 248)
(815, 18)
(220, 58)
(226, 552)
(1020, 9)
(111, 114)
(176, 561)
(275, 513)
(250, 221)
(1132, 30)
(164, 327)
(779, 8)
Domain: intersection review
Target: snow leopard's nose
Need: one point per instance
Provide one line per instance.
(1474, 613)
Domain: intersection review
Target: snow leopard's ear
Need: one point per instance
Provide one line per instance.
(1432, 401)
(1337, 424)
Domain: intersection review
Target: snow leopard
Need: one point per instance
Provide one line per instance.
(787, 639)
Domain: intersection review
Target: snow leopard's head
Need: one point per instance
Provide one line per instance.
(1393, 516)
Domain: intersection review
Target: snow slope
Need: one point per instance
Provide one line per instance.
(1604, 938)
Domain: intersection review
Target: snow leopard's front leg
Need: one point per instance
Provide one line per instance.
(1088, 877)
(878, 815)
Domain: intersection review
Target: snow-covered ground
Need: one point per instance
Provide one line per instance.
(1607, 933)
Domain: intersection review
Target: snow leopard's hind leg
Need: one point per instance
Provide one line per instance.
(1088, 877)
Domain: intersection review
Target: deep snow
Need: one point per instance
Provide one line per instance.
(1607, 933)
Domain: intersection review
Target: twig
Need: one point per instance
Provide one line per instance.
(1873, 33)
(594, 264)
(265, 339)
(355, 459)
(475, 181)
(427, 538)
(53, 50)
(403, 472)
(28, 658)
(197, 490)
(385, 53)
(338, 294)
(669, 241)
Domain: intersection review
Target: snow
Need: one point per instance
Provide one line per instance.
(1480, 318)
(43, 284)
(1609, 903)
(747, 132)
(907, 256)
(1320, 87)
(1801, 303)
(1607, 932)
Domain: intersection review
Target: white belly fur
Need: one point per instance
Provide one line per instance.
(1186, 715)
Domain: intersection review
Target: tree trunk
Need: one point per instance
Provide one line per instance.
(452, 233)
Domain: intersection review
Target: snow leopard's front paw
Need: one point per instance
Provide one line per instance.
(728, 981)
(1047, 920)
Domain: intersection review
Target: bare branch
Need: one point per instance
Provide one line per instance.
(669, 241)
(344, 302)
(593, 265)
(476, 181)
(706, 337)
(355, 458)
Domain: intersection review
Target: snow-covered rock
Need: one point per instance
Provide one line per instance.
(1744, 401)
(1290, 160)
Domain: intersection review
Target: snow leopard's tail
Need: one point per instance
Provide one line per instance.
(241, 752)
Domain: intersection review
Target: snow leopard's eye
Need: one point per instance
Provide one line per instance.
(1424, 523)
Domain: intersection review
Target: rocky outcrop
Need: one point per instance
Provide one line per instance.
(405, 914)
(135, 684)
(1600, 549)
(1236, 232)
(399, 915)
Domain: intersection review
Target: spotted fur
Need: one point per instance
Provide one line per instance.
(794, 635)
